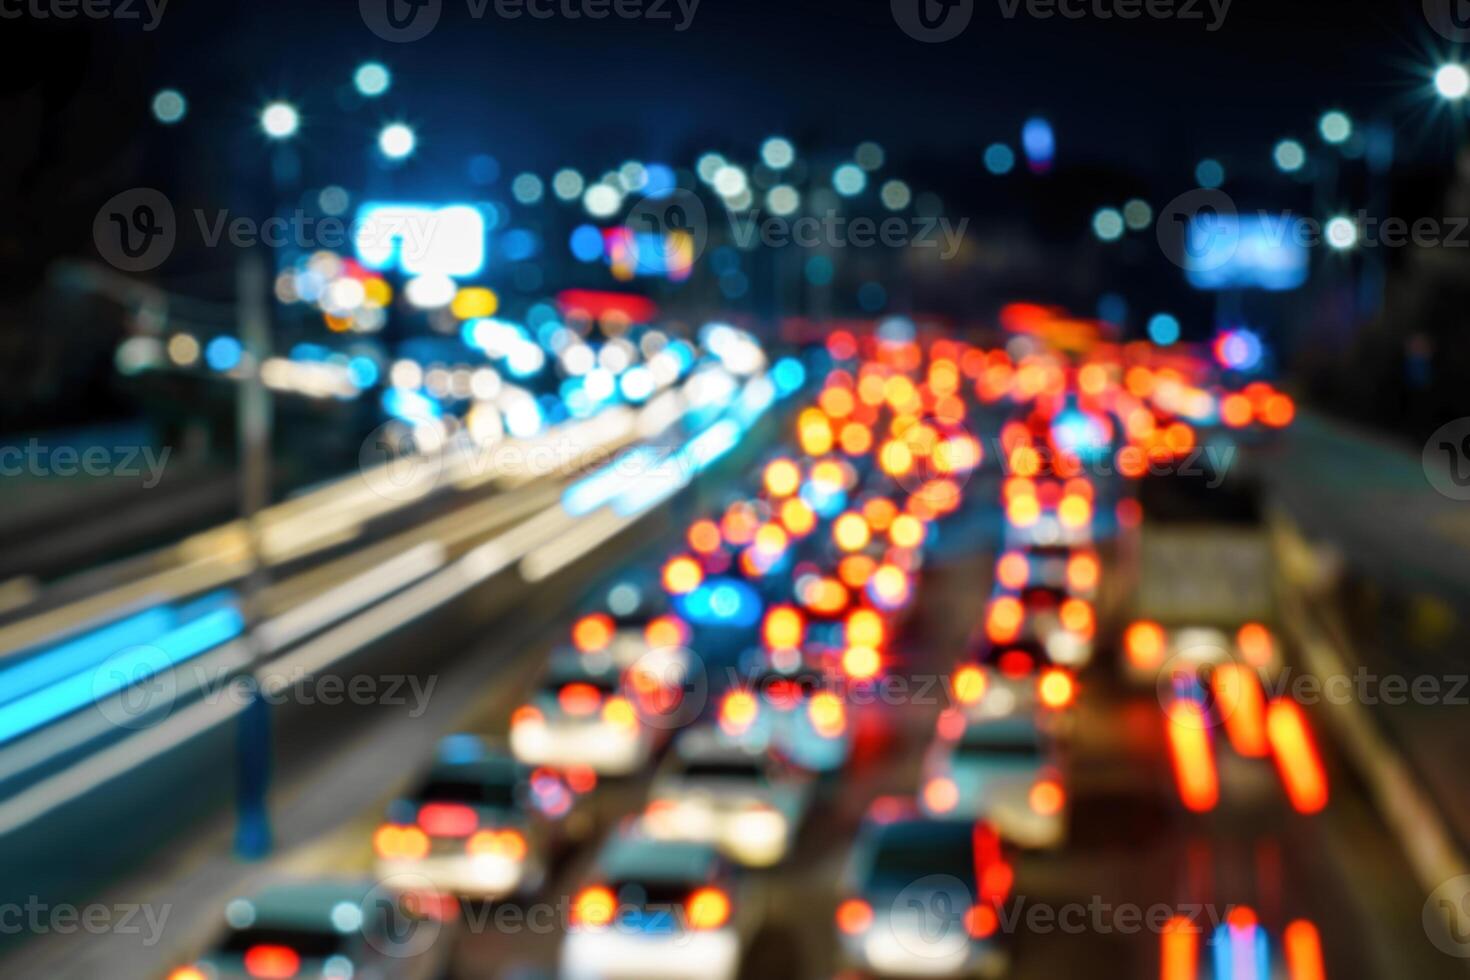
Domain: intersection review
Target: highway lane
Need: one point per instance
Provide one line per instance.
(1081, 911)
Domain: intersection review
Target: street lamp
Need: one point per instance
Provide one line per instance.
(1452, 82)
(397, 141)
(280, 120)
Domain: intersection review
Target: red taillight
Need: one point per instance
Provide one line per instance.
(708, 908)
(592, 633)
(272, 962)
(941, 795)
(1047, 797)
(448, 819)
(1296, 754)
(981, 921)
(579, 699)
(854, 916)
(525, 715)
(593, 906)
(1144, 643)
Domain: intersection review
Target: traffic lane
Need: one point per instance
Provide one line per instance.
(798, 899)
(1133, 844)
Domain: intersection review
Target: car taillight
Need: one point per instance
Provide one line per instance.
(526, 715)
(1012, 570)
(854, 916)
(592, 633)
(827, 713)
(1055, 688)
(1003, 621)
(448, 819)
(593, 906)
(404, 843)
(708, 908)
(861, 663)
(579, 699)
(1047, 797)
(272, 962)
(620, 714)
(1077, 616)
(981, 921)
(1082, 573)
(941, 795)
(508, 844)
(969, 684)
(737, 712)
(1144, 644)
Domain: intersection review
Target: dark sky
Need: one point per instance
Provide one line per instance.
(536, 92)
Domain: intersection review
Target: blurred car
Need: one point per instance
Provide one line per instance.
(1241, 946)
(796, 714)
(1002, 769)
(579, 716)
(721, 791)
(1073, 569)
(657, 909)
(333, 929)
(480, 824)
(921, 896)
(1150, 648)
(1059, 626)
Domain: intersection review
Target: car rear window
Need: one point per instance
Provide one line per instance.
(908, 852)
(309, 944)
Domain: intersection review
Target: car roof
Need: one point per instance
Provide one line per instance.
(1016, 728)
(706, 743)
(630, 856)
(306, 904)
